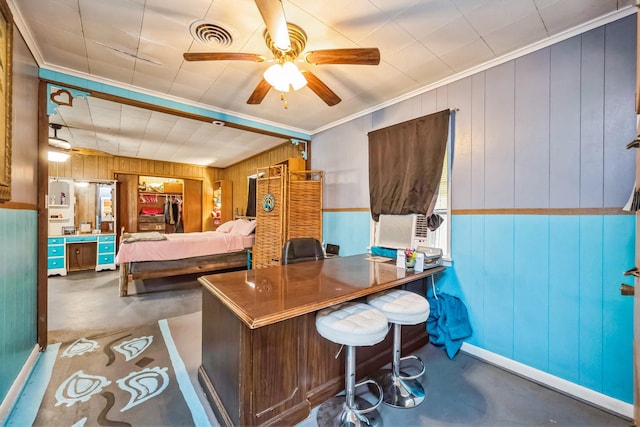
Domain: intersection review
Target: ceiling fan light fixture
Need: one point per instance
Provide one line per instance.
(275, 76)
(293, 75)
(57, 155)
(280, 76)
(56, 142)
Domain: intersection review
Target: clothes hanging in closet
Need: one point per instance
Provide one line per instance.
(173, 213)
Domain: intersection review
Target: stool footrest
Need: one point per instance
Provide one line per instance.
(413, 377)
(375, 405)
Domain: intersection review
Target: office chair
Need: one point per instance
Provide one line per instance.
(301, 249)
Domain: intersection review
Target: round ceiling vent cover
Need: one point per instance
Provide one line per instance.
(209, 33)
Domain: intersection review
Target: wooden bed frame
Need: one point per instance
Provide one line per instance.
(131, 271)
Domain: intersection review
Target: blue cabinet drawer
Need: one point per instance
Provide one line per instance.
(80, 239)
(57, 250)
(105, 259)
(106, 238)
(105, 248)
(53, 263)
(56, 240)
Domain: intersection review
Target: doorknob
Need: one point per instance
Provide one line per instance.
(633, 272)
(627, 290)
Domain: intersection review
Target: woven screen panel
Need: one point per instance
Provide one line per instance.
(304, 204)
(267, 248)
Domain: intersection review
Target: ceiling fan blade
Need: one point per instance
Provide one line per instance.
(358, 56)
(259, 92)
(272, 12)
(222, 56)
(321, 89)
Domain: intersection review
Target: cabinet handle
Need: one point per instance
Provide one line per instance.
(627, 290)
(633, 272)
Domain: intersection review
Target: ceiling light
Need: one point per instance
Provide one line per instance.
(58, 148)
(293, 76)
(57, 155)
(280, 76)
(59, 143)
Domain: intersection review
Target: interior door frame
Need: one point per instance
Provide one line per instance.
(43, 222)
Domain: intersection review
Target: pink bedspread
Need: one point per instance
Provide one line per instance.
(182, 245)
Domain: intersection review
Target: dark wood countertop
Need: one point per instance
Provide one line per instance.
(266, 296)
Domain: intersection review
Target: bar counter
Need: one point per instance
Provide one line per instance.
(263, 361)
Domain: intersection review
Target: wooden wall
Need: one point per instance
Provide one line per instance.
(239, 172)
(104, 167)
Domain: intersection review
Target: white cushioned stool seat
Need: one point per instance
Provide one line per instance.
(351, 323)
(400, 306)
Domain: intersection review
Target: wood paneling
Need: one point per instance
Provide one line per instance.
(86, 202)
(239, 172)
(499, 132)
(619, 109)
(592, 119)
(564, 124)
(105, 167)
(127, 202)
(192, 206)
(531, 131)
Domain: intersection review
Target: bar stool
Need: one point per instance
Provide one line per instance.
(401, 308)
(351, 324)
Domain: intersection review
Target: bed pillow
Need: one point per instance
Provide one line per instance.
(226, 227)
(244, 227)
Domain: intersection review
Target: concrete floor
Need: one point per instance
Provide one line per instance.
(460, 392)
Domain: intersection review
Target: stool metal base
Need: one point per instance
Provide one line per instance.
(334, 412)
(399, 392)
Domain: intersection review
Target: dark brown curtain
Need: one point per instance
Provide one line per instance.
(405, 165)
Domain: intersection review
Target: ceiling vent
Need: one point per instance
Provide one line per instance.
(210, 34)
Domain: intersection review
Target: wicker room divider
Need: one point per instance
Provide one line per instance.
(297, 211)
(304, 205)
(270, 225)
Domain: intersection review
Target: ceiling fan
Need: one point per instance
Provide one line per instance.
(287, 42)
(60, 149)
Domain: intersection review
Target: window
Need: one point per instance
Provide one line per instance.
(400, 229)
(441, 238)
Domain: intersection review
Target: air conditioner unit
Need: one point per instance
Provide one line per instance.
(402, 231)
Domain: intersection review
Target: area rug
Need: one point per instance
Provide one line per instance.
(123, 377)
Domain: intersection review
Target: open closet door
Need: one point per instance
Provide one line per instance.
(192, 206)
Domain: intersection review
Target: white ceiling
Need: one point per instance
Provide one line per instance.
(138, 44)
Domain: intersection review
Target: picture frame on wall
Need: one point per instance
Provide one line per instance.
(6, 73)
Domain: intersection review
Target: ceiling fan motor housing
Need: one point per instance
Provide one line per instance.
(298, 40)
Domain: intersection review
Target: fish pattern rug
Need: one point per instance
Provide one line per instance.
(124, 377)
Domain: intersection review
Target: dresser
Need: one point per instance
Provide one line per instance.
(60, 259)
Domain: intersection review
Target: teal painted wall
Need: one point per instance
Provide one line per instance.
(349, 230)
(543, 290)
(18, 270)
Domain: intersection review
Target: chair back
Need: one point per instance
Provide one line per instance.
(301, 249)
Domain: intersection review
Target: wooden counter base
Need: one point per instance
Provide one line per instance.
(275, 374)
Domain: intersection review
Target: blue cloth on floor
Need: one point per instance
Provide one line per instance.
(448, 322)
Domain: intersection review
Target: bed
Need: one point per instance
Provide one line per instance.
(150, 255)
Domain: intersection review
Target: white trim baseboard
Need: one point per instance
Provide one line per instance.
(16, 388)
(567, 387)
